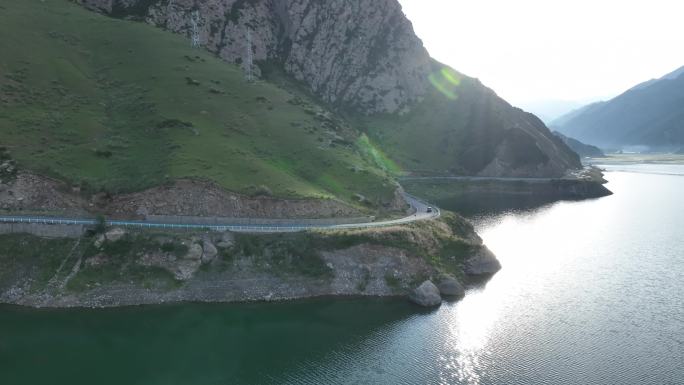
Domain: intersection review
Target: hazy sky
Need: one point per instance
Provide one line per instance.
(532, 50)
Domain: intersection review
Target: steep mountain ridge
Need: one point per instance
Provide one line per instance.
(670, 76)
(361, 54)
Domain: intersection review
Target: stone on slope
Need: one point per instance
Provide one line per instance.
(194, 252)
(227, 240)
(115, 234)
(210, 251)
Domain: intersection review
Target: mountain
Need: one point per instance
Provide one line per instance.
(649, 114)
(671, 76)
(562, 120)
(363, 59)
(583, 150)
(549, 110)
(346, 98)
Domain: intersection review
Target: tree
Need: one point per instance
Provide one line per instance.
(100, 224)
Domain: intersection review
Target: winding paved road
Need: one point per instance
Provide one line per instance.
(479, 178)
(420, 207)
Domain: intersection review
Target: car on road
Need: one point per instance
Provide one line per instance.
(429, 209)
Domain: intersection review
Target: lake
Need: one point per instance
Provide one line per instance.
(590, 292)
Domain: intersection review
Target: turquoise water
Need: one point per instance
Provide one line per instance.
(590, 292)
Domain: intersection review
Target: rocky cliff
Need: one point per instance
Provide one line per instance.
(359, 53)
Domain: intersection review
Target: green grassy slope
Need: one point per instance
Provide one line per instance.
(121, 106)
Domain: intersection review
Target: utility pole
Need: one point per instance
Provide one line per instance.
(250, 58)
(195, 39)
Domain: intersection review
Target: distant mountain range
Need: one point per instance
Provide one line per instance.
(550, 110)
(650, 114)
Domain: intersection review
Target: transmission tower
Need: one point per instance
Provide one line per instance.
(195, 29)
(250, 58)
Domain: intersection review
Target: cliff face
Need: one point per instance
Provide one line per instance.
(361, 54)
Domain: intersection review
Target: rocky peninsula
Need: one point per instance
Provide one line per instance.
(118, 267)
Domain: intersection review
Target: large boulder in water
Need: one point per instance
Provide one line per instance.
(427, 294)
(482, 263)
(449, 286)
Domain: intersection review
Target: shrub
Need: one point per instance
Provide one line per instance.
(100, 224)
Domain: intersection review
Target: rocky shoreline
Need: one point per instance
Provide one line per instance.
(122, 268)
(470, 197)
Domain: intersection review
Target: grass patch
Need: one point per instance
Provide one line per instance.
(120, 265)
(392, 282)
(176, 248)
(127, 113)
(287, 254)
(25, 256)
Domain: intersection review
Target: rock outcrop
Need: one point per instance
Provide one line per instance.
(427, 294)
(361, 53)
(366, 270)
(482, 263)
(111, 235)
(209, 251)
(194, 252)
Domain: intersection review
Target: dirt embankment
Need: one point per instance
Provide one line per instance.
(30, 192)
(35, 193)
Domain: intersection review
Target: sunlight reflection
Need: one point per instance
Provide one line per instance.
(471, 333)
(364, 144)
